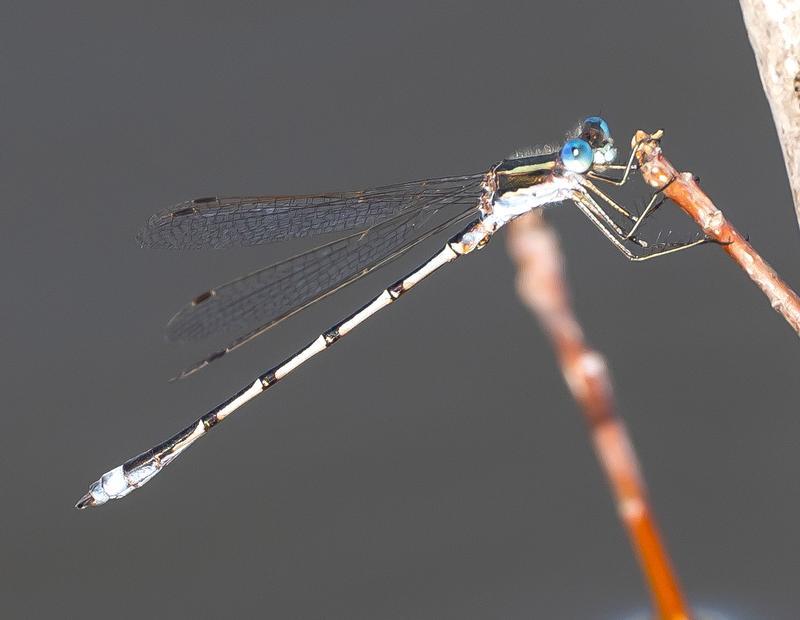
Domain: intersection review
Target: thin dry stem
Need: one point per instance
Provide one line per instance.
(773, 27)
(684, 191)
(541, 285)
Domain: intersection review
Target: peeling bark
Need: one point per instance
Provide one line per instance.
(774, 30)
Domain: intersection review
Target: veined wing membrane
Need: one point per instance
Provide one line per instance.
(266, 297)
(243, 221)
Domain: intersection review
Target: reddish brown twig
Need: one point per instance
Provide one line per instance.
(684, 191)
(541, 285)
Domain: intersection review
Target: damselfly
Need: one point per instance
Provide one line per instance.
(388, 221)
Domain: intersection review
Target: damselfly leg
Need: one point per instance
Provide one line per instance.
(614, 205)
(590, 209)
(656, 200)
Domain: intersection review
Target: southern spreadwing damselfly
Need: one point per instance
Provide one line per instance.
(380, 225)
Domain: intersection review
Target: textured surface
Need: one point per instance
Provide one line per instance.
(225, 222)
(774, 30)
(269, 293)
(434, 465)
(262, 299)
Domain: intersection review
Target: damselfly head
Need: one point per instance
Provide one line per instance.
(595, 131)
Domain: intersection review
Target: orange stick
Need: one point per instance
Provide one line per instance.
(541, 285)
(686, 193)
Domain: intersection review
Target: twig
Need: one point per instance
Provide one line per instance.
(540, 284)
(773, 27)
(684, 191)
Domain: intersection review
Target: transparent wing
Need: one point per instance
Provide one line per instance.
(242, 221)
(266, 297)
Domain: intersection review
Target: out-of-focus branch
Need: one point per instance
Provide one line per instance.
(541, 285)
(684, 191)
(774, 30)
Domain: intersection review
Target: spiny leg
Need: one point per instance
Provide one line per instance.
(608, 223)
(677, 247)
(606, 198)
(137, 471)
(610, 226)
(589, 207)
(656, 200)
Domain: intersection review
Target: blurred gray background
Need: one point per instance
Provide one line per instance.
(412, 472)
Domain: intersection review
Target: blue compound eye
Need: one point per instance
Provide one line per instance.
(595, 128)
(595, 131)
(577, 156)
